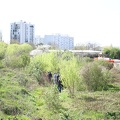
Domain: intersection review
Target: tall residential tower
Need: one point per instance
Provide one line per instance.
(22, 32)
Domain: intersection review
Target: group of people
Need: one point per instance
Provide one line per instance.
(56, 80)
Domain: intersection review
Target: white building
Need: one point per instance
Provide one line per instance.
(38, 40)
(62, 42)
(0, 36)
(22, 31)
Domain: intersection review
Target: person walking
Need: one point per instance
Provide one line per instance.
(60, 85)
(58, 77)
(55, 78)
(49, 76)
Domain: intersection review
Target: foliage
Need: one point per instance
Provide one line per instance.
(112, 52)
(37, 68)
(87, 46)
(86, 60)
(25, 59)
(94, 77)
(11, 110)
(22, 98)
(1, 64)
(65, 63)
(17, 55)
(14, 97)
(67, 56)
(69, 70)
(3, 47)
(113, 115)
(105, 64)
(51, 60)
(39, 65)
(52, 99)
(25, 48)
(14, 42)
(16, 49)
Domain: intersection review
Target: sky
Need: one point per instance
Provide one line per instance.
(94, 21)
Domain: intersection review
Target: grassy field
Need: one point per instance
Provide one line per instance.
(22, 98)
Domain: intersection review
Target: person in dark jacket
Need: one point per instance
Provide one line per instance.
(60, 85)
(58, 77)
(49, 76)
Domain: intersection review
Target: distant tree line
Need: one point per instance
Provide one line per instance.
(87, 46)
(112, 52)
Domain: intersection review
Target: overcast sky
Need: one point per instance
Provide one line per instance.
(95, 21)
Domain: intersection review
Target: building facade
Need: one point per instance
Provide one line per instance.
(38, 40)
(22, 32)
(0, 36)
(62, 42)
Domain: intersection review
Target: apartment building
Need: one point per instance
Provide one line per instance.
(63, 42)
(38, 40)
(22, 32)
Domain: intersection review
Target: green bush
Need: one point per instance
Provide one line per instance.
(95, 78)
(112, 115)
(37, 68)
(22, 79)
(17, 55)
(52, 99)
(69, 70)
(11, 110)
(107, 65)
(1, 64)
(112, 52)
(25, 59)
(3, 48)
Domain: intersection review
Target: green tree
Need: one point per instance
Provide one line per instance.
(3, 47)
(37, 68)
(69, 71)
(41, 64)
(17, 55)
(112, 52)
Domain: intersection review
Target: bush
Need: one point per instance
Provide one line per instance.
(112, 52)
(37, 68)
(3, 47)
(11, 110)
(17, 55)
(52, 99)
(1, 64)
(105, 64)
(16, 62)
(69, 70)
(94, 77)
(112, 115)
(25, 59)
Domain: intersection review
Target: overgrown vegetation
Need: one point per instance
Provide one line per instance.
(3, 47)
(17, 56)
(95, 78)
(112, 52)
(91, 88)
